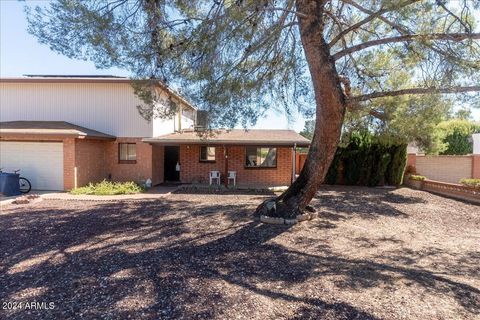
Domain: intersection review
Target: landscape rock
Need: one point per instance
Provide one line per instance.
(291, 221)
(271, 220)
(303, 217)
(26, 199)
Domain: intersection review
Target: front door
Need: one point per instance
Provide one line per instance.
(170, 165)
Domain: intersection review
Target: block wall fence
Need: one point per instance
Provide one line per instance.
(446, 168)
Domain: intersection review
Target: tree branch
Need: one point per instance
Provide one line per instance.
(374, 95)
(466, 25)
(374, 113)
(369, 18)
(397, 27)
(352, 106)
(403, 30)
(434, 36)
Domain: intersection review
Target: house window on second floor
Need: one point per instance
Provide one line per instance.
(207, 154)
(188, 113)
(127, 153)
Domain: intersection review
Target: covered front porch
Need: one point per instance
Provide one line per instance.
(258, 162)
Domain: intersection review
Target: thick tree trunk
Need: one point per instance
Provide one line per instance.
(330, 111)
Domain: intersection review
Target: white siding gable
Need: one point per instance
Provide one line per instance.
(106, 107)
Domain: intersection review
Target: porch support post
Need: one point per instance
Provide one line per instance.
(225, 153)
(294, 161)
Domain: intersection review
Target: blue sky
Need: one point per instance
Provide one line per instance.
(20, 53)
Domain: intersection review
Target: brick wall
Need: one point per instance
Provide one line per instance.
(192, 170)
(476, 166)
(453, 190)
(141, 170)
(90, 161)
(69, 179)
(444, 168)
(412, 159)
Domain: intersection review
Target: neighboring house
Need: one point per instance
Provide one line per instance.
(66, 131)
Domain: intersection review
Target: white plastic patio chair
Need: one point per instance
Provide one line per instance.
(214, 175)
(232, 175)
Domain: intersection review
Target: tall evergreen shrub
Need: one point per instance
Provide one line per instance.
(368, 162)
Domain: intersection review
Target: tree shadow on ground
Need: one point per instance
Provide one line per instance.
(343, 202)
(172, 259)
(208, 189)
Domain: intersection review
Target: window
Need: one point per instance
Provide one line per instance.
(207, 154)
(127, 153)
(260, 157)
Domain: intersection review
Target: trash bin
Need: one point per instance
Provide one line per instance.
(3, 179)
(9, 184)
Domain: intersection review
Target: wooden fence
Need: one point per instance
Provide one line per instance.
(299, 161)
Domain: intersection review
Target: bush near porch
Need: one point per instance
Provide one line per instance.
(109, 188)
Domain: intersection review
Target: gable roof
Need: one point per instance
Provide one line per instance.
(46, 128)
(233, 137)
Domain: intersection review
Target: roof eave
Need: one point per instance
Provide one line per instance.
(11, 134)
(225, 142)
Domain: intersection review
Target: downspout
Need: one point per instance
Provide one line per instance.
(225, 153)
(180, 118)
(294, 164)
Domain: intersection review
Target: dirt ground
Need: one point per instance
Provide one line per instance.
(372, 254)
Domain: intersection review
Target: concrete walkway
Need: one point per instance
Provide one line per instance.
(7, 200)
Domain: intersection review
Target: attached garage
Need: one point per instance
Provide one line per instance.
(40, 162)
(52, 155)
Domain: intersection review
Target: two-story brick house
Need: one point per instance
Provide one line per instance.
(66, 131)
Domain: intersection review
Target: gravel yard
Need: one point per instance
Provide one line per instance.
(372, 254)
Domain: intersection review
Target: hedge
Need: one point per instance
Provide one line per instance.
(369, 163)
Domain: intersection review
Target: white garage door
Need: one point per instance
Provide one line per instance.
(40, 162)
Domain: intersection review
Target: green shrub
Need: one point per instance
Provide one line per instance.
(368, 161)
(396, 168)
(378, 175)
(353, 160)
(417, 177)
(332, 174)
(108, 188)
(456, 136)
(475, 183)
